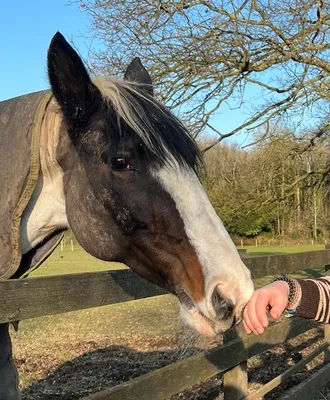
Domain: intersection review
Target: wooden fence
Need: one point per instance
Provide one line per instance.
(35, 297)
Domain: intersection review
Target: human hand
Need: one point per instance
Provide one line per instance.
(275, 296)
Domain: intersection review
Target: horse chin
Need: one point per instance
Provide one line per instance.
(202, 324)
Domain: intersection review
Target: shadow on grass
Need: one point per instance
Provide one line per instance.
(98, 370)
(104, 368)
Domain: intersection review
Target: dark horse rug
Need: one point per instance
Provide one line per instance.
(20, 122)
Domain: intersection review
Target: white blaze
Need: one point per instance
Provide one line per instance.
(216, 251)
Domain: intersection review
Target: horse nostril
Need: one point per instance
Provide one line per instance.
(223, 307)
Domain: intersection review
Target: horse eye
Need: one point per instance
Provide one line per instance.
(119, 163)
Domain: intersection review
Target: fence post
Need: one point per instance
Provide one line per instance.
(235, 380)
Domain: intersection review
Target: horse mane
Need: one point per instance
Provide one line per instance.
(49, 138)
(159, 129)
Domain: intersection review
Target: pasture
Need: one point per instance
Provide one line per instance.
(70, 355)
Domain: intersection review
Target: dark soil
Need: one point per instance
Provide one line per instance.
(100, 365)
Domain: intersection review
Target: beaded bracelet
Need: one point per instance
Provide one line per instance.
(294, 294)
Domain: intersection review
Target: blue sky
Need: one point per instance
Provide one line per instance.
(26, 28)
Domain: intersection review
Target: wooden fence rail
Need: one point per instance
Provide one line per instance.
(286, 263)
(306, 389)
(35, 297)
(64, 293)
(258, 394)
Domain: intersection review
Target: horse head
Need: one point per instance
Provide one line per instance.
(132, 191)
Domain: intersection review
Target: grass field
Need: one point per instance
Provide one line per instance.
(268, 250)
(45, 345)
(68, 262)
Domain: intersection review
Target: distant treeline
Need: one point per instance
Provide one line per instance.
(277, 188)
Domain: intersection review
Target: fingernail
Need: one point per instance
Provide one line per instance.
(275, 314)
(260, 330)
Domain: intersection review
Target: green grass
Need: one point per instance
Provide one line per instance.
(78, 260)
(70, 262)
(268, 250)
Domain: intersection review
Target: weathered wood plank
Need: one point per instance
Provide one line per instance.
(35, 297)
(242, 252)
(258, 394)
(286, 263)
(235, 380)
(167, 381)
(306, 389)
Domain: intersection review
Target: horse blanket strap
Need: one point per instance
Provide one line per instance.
(20, 126)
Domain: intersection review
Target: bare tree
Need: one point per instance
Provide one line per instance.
(269, 56)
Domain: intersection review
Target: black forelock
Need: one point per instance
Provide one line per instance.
(156, 126)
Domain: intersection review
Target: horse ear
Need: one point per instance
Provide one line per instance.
(70, 82)
(136, 72)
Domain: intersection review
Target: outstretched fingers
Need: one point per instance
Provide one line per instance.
(275, 296)
(255, 313)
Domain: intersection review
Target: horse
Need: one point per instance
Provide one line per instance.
(120, 170)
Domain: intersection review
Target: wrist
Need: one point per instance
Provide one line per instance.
(293, 293)
(283, 287)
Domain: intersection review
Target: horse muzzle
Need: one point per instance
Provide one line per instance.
(209, 318)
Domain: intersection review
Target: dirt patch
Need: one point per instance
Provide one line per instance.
(86, 367)
(96, 366)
